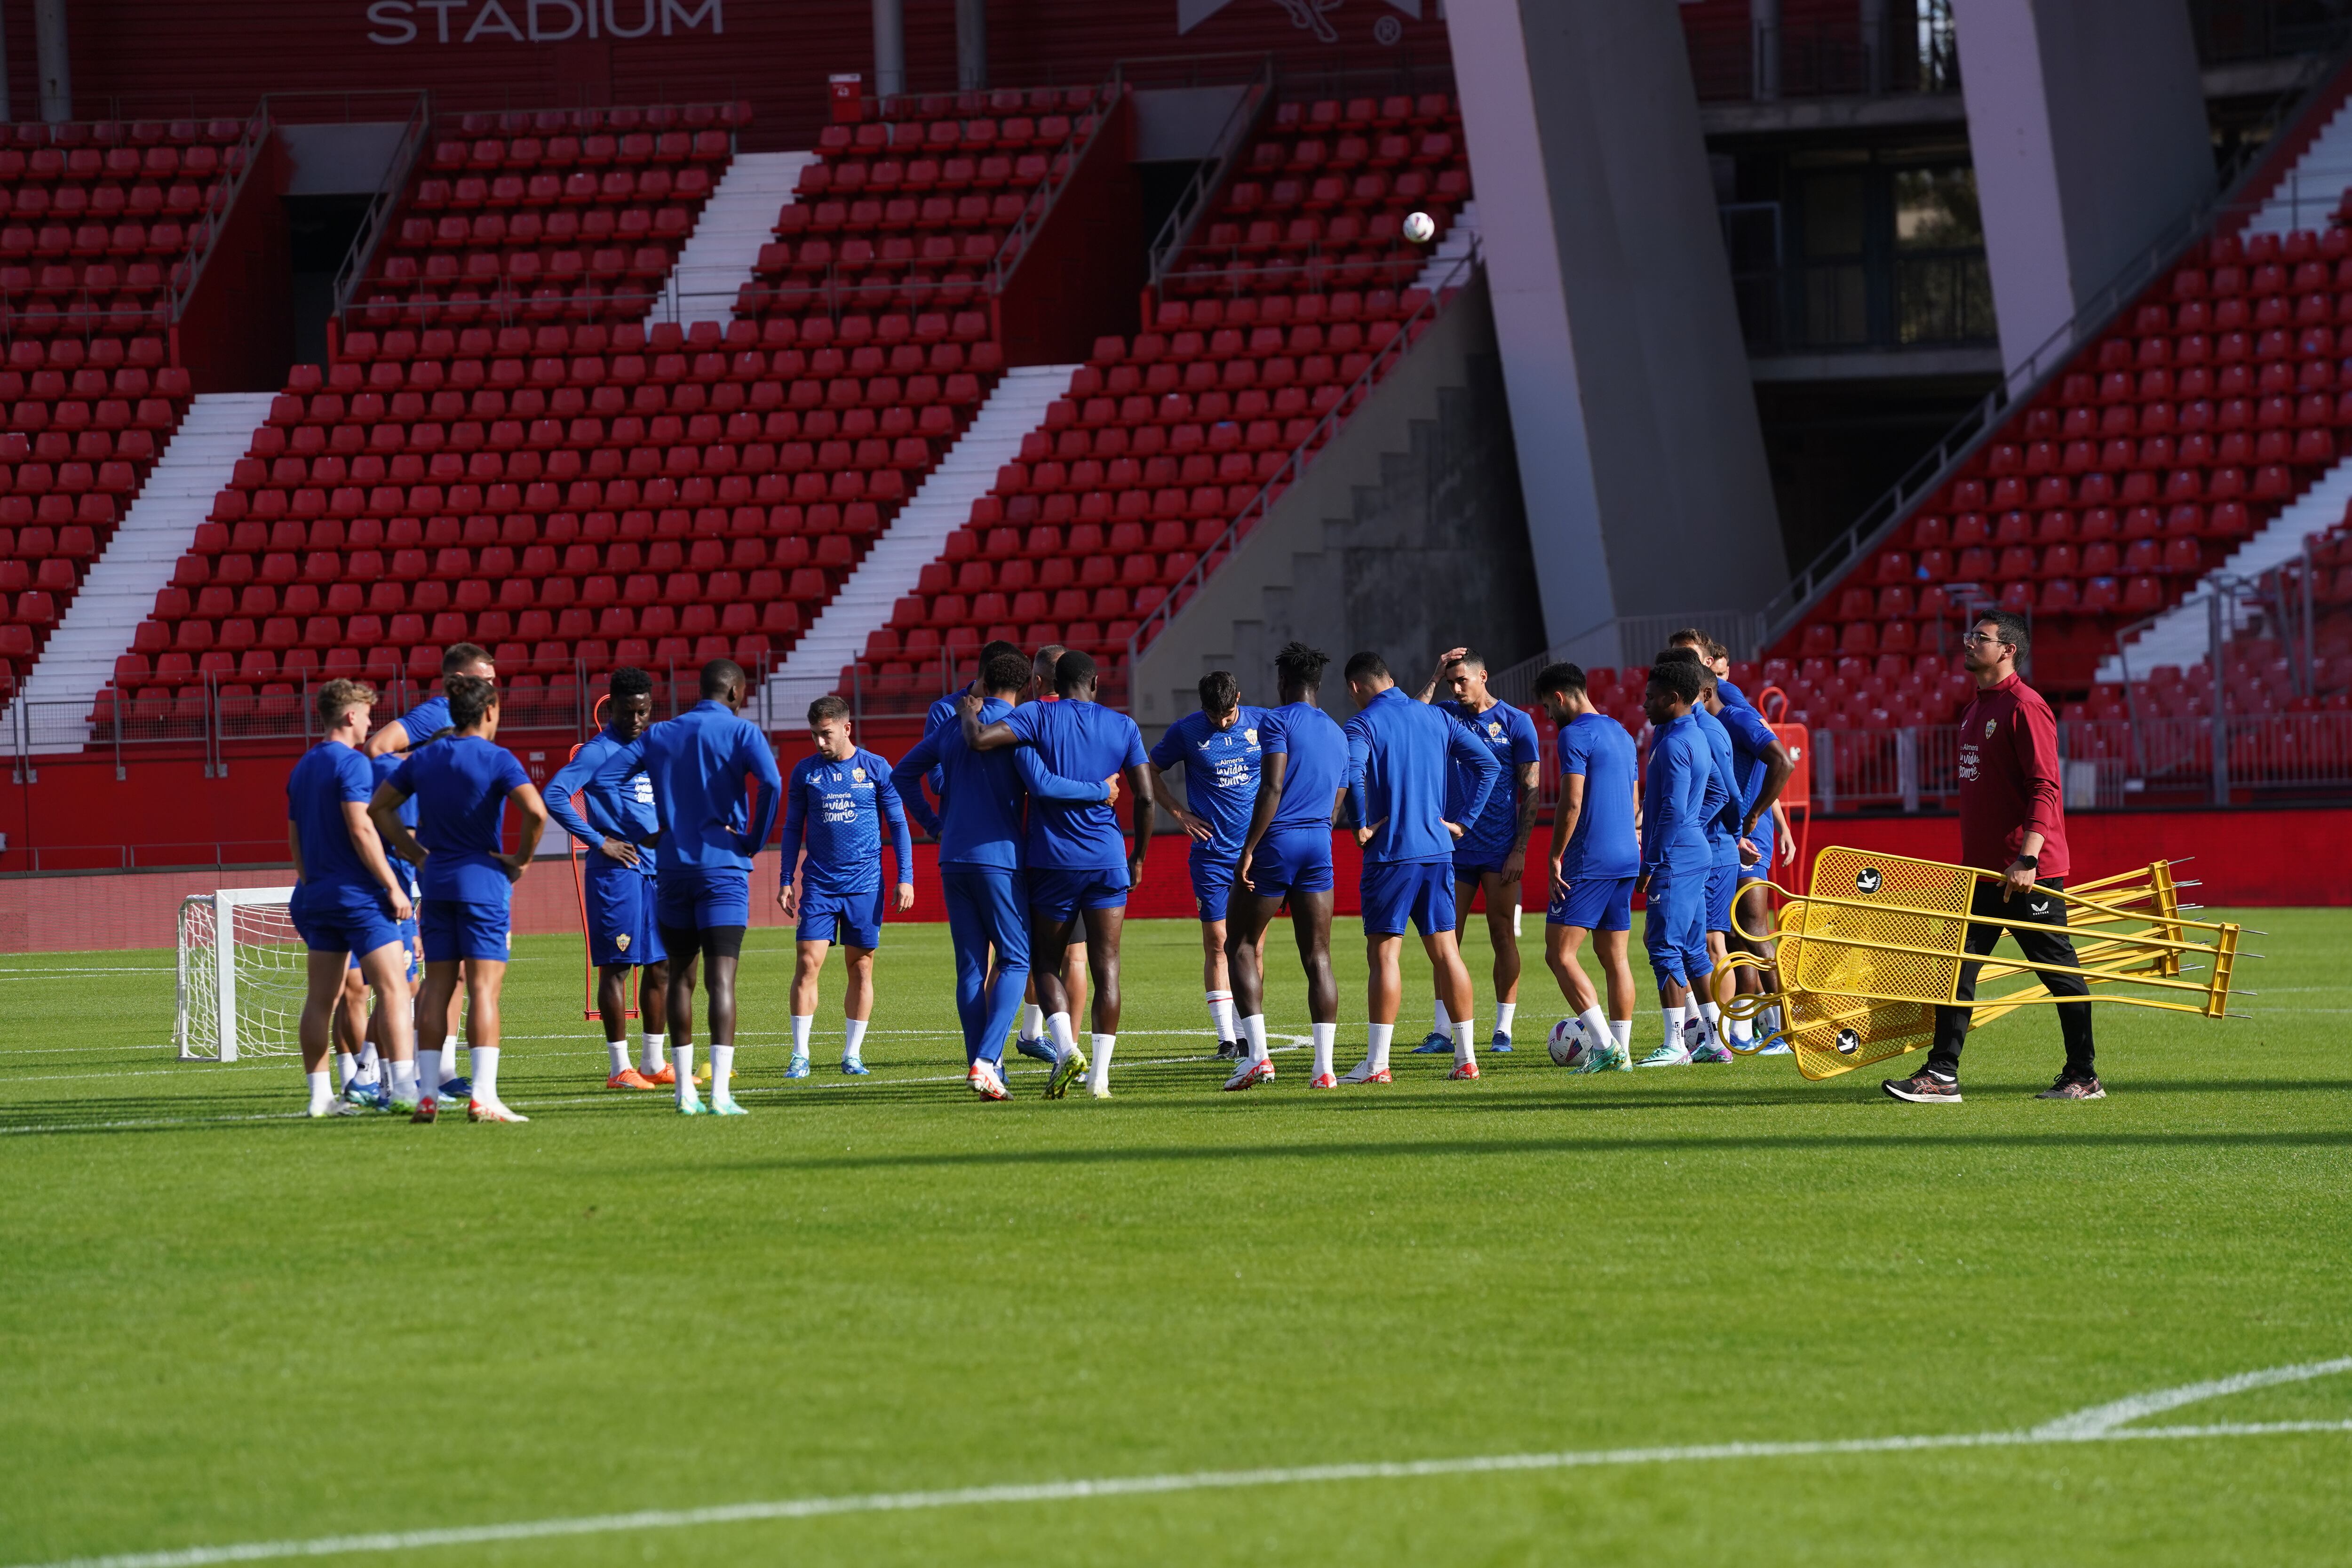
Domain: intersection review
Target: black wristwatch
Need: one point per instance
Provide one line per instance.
(2031, 862)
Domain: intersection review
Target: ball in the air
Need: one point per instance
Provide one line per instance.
(1567, 1043)
(1420, 227)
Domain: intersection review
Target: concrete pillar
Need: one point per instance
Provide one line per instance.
(972, 45)
(57, 73)
(889, 49)
(2087, 123)
(7, 115)
(1639, 458)
(1764, 49)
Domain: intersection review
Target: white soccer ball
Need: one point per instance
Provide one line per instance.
(1420, 227)
(1567, 1043)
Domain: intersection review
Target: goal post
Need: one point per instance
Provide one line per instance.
(242, 975)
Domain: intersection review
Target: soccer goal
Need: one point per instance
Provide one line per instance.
(243, 976)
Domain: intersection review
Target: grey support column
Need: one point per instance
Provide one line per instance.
(56, 66)
(2086, 119)
(1639, 456)
(889, 49)
(972, 45)
(1764, 49)
(7, 115)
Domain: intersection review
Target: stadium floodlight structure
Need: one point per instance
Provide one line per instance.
(1876, 946)
(243, 976)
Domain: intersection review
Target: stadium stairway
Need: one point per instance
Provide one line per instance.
(2307, 195)
(720, 253)
(1459, 241)
(2181, 635)
(78, 658)
(891, 569)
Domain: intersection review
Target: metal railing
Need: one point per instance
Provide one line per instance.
(1748, 61)
(377, 220)
(2021, 382)
(1293, 466)
(1241, 127)
(237, 168)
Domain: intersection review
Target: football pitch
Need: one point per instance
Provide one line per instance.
(1701, 1314)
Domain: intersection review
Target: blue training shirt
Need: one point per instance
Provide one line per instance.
(1604, 843)
(1722, 806)
(1074, 740)
(327, 776)
(384, 767)
(1675, 803)
(425, 721)
(616, 799)
(461, 785)
(838, 809)
(1221, 772)
(698, 763)
(1316, 769)
(1751, 738)
(1508, 733)
(980, 821)
(1398, 765)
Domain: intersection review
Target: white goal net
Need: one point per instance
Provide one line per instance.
(243, 976)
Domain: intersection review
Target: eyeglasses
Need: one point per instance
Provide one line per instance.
(1987, 638)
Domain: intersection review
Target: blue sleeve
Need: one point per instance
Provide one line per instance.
(908, 779)
(510, 774)
(1134, 758)
(1359, 756)
(1170, 749)
(894, 812)
(1575, 757)
(795, 825)
(761, 763)
(1271, 740)
(1467, 749)
(1669, 770)
(1023, 721)
(1523, 739)
(1044, 786)
(356, 777)
(1718, 804)
(404, 777)
(568, 778)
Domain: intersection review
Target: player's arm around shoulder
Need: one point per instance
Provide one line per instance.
(1013, 730)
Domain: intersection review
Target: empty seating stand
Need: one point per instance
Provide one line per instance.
(573, 497)
(2191, 421)
(557, 216)
(913, 213)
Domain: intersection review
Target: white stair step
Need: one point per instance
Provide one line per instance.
(892, 568)
(78, 658)
(719, 254)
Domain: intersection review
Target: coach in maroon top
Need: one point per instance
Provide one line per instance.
(2012, 823)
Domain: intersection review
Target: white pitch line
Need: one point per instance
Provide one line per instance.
(1138, 1486)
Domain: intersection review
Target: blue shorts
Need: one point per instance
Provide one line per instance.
(454, 928)
(1057, 895)
(853, 918)
(621, 925)
(1213, 882)
(1594, 903)
(343, 918)
(1292, 860)
(1470, 864)
(1722, 884)
(1420, 891)
(987, 908)
(411, 942)
(697, 898)
(1763, 839)
(1674, 930)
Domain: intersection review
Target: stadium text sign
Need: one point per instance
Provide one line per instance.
(395, 22)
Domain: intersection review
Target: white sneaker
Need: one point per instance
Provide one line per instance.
(1666, 1056)
(1363, 1073)
(1099, 1091)
(492, 1110)
(1251, 1075)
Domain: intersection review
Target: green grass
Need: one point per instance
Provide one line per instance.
(220, 1325)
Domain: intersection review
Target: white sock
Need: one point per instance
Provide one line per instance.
(371, 1064)
(1098, 1071)
(322, 1088)
(1376, 1045)
(1674, 1022)
(1621, 1031)
(403, 1081)
(449, 1057)
(650, 1059)
(1058, 1028)
(347, 1066)
(722, 1069)
(681, 1062)
(1714, 1016)
(1503, 1013)
(428, 1074)
(852, 1039)
(1033, 1022)
(801, 1024)
(1221, 1015)
(486, 1074)
(1325, 1036)
(1595, 1025)
(1445, 1025)
(1254, 1031)
(1466, 1044)
(1742, 1031)
(619, 1051)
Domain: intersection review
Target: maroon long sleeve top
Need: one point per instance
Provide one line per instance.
(2009, 779)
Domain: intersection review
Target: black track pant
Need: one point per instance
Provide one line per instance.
(1991, 903)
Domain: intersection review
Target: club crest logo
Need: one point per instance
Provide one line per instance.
(1251, 736)
(622, 941)
(1990, 725)
(857, 774)
(1867, 882)
(1848, 1042)
(1495, 728)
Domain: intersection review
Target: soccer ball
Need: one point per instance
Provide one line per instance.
(1420, 227)
(1567, 1043)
